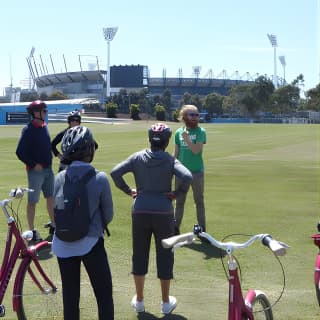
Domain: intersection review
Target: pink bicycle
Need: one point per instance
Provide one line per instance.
(316, 241)
(33, 288)
(255, 305)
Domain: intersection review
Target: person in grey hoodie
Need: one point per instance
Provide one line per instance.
(152, 210)
(78, 147)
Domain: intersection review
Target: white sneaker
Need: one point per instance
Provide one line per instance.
(168, 307)
(138, 306)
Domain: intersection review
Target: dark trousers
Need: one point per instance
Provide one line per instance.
(97, 266)
(143, 226)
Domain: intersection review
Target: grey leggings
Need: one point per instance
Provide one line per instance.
(197, 185)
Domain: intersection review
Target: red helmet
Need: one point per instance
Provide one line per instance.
(37, 105)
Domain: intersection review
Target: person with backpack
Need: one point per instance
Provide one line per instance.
(152, 210)
(83, 207)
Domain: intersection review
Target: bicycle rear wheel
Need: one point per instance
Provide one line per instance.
(260, 305)
(317, 287)
(31, 302)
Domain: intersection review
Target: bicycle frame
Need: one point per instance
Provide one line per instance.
(237, 306)
(240, 308)
(10, 257)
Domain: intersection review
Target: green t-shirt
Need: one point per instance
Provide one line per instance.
(193, 162)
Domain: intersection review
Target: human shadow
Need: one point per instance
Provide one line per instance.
(210, 251)
(150, 316)
(45, 253)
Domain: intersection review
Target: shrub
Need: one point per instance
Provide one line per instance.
(160, 112)
(134, 111)
(112, 110)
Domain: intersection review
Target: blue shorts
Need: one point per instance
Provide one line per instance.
(40, 181)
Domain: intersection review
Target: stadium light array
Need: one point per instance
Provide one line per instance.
(109, 34)
(274, 43)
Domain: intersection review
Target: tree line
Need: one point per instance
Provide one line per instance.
(244, 100)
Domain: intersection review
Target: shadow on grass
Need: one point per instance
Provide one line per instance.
(210, 251)
(149, 316)
(45, 253)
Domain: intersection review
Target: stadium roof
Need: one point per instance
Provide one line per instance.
(68, 77)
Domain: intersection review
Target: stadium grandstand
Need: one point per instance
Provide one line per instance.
(89, 81)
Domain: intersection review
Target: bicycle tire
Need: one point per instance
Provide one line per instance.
(260, 305)
(31, 302)
(317, 287)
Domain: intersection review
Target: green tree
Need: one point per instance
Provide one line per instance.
(286, 99)
(313, 99)
(262, 90)
(213, 103)
(241, 101)
(186, 99)
(166, 99)
(197, 101)
(298, 81)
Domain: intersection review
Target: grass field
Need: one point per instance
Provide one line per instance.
(259, 179)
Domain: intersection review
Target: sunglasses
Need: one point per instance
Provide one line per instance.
(193, 114)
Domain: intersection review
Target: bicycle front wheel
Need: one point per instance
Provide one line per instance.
(34, 298)
(260, 305)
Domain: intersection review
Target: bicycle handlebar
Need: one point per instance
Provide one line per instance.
(279, 248)
(19, 192)
(16, 193)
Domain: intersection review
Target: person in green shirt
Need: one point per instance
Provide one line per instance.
(189, 141)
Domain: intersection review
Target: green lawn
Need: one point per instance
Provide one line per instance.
(259, 179)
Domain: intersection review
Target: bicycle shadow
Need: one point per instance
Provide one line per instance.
(150, 316)
(210, 251)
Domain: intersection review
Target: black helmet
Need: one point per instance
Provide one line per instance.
(159, 135)
(77, 144)
(37, 105)
(74, 115)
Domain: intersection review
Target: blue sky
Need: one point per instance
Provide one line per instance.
(216, 35)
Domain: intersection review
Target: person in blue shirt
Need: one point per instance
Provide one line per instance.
(34, 150)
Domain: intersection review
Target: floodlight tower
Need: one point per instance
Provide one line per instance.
(274, 43)
(283, 63)
(109, 34)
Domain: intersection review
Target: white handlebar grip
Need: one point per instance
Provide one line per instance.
(19, 193)
(279, 248)
(170, 242)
